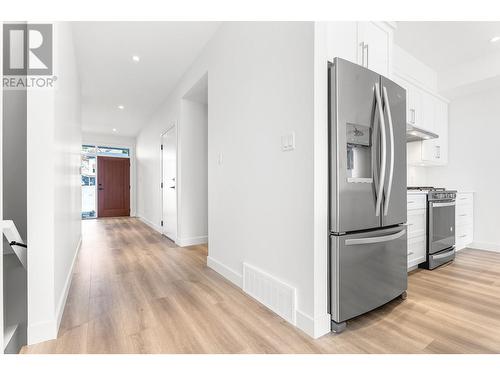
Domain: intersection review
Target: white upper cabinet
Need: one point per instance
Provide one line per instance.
(435, 151)
(366, 43)
(374, 46)
(341, 40)
(425, 108)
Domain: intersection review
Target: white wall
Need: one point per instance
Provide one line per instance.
(114, 140)
(473, 160)
(54, 193)
(260, 86)
(193, 175)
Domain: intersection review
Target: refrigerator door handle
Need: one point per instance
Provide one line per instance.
(391, 157)
(370, 240)
(383, 157)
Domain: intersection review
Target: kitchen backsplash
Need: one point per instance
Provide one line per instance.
(417, 176)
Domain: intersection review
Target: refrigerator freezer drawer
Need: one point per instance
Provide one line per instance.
(368, 269)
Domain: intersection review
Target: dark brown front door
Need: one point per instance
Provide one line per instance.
(113, 184)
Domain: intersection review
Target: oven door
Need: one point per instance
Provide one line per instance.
(441, 230)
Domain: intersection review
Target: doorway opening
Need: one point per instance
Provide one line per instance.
(105, 179)
(185, 170)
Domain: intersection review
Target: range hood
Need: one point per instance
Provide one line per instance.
(414, 134)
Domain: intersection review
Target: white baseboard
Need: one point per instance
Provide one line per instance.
(225, 271)
(150, 224)
(67, 284)
(313, 327)
(192, 241)
(305, 322)
(49, 329)
(485, 246)
(322, 325)
(42, 331)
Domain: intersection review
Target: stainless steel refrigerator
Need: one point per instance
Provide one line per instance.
(367, 178)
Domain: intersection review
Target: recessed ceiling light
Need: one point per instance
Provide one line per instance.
(121, 107)
(495, 39)
(114, 129)
(136, 58)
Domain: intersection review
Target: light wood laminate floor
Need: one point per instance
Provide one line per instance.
(134, 291)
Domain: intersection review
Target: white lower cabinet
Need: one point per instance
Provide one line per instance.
(464, 220)
(417, 232)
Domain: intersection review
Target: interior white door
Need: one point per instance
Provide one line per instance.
(169, 191)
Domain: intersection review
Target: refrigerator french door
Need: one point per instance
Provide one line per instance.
(367, 151)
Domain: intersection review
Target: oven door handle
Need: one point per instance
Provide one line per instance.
(444, 204)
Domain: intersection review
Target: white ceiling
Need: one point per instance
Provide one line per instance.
(444, 44)
(109, 76)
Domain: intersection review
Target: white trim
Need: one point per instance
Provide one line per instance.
(67, 284)
(484, 246)
(48, 330)
(42, 331)
(150, 224)
(173, 125)
(192, 241)
(322, 325)
(315, 328)
(225, 271)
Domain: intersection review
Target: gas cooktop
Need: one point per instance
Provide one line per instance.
(425, 188)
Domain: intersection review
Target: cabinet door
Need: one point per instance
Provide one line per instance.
(373, 47)
(436, 150)
(342, 41)
(428, 112)
(416, 105)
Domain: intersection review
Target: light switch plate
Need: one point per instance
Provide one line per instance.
(288, 142)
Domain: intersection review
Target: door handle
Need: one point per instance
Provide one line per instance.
(383, 153)
(101, 188)
(370, 240)
(391, 158)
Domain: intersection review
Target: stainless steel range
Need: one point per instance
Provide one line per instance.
(440, 226)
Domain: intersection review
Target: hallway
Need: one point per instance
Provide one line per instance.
(134, 291)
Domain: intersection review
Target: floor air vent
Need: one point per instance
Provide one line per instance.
(270, 291)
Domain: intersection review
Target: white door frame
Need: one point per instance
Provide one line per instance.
(174, 124)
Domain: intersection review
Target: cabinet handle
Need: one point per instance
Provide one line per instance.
(410, 253)
(362, 45)
(463, 199)
(412, 111)
(463, 235)
(462, 215)
(411, 202)
(367, 54)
